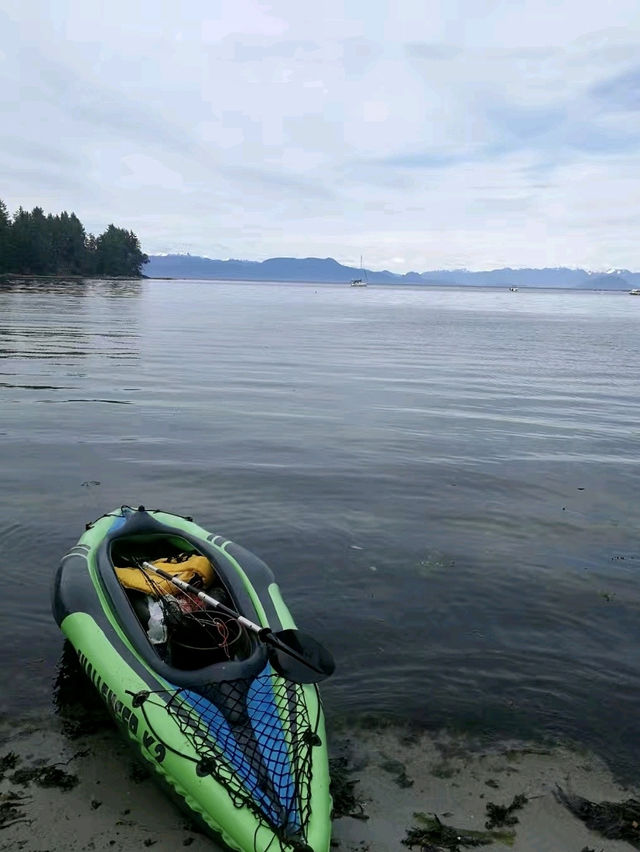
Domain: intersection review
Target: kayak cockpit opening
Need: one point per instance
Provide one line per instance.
(185, 632)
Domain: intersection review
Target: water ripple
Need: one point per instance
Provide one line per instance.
(441, 479)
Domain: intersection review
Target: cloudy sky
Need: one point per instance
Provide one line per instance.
(422, 135)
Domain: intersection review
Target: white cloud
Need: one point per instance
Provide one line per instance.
(434, 134)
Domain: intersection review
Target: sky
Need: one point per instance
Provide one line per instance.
(420, 135)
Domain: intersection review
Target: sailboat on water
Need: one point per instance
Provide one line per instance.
(362, 281)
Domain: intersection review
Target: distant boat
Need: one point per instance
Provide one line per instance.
(513, 289)
(362, 281)
(634, 292)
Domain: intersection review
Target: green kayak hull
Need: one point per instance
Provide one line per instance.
(243, 749)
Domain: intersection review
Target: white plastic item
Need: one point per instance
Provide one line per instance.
(157, 629)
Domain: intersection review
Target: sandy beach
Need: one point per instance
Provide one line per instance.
(100, 799)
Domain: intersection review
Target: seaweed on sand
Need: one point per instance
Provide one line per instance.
(613, 820)
(432, 835)
(8, 761)
(399, 771)
(46, 776)
(77, 702)
(10, 812)
(344, 799)
(501, 815)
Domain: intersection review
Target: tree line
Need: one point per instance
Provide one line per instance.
(38, 244)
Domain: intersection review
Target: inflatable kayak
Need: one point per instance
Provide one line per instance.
(186, 638)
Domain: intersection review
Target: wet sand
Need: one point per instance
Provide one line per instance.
(114, 805)
(452, 777)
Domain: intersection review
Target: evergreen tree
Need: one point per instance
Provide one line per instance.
(118, 253)
(90, 257)
(53, 226)
(21, 241)
(69, 244)
(32, 243)
(5, 238)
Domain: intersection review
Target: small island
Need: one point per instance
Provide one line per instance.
(35, 244)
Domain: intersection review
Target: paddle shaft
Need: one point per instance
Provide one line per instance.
(187, 587)
(263, 633)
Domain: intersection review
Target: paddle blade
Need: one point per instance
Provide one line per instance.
(299, 657)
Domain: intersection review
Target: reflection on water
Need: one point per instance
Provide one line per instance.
(70, 287)
(443, 480)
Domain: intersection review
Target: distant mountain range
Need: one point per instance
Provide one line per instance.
(314, 269)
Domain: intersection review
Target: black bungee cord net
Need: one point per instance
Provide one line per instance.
(217, 748)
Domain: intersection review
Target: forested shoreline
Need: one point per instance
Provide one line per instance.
(33, 243)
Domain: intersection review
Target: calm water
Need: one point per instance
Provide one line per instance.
(445, 481)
